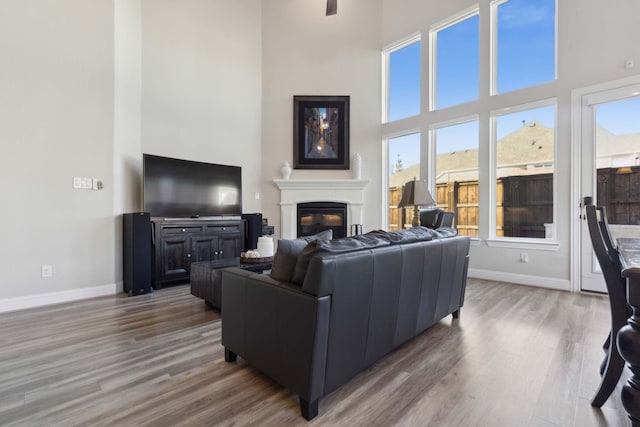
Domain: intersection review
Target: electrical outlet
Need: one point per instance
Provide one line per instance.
(257, 196)
(524, 257)
(47, 271)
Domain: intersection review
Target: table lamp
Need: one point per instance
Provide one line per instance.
(416, 193)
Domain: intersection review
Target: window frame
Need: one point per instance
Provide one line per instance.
(433, 53)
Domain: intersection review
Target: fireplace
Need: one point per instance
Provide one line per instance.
(295, 191)
(314, 217)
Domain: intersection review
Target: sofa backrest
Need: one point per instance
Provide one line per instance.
(383, 297)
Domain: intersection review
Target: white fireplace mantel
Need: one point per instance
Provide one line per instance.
(294, 191)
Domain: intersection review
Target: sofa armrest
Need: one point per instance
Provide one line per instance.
(277, 328)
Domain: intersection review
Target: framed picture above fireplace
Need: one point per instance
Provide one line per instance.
(320, 132)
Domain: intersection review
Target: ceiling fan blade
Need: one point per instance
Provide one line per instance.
(332, 7)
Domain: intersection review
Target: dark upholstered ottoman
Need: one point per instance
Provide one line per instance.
(206, 277)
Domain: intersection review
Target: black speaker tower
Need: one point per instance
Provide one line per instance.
(136, 250)
(252, 230)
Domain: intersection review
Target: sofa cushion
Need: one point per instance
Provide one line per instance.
(423, 233)
(285, 258)
(414, 234)
(346, 244)
(444, 232)
(402, 236)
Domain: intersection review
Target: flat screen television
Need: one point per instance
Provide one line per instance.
(175, 188)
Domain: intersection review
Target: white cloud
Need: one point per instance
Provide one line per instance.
(523, 14)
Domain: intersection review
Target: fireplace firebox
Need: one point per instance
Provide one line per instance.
(314, 217)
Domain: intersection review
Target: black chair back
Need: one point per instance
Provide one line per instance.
(605, 249)
(446, 219)
(436, 218)
(430, 218)
(609, 260)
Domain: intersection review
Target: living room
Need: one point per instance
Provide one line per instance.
(88, 87)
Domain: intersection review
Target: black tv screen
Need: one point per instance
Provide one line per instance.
(175, 188)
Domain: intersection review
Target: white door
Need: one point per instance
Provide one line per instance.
(610, 169)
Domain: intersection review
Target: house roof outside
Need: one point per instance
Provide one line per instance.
(526, 151)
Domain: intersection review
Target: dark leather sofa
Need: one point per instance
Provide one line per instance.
(354, 306)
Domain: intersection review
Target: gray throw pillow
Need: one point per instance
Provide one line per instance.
(286, 256)
(346, 244)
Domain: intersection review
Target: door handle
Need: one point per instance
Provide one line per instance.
(586, 201)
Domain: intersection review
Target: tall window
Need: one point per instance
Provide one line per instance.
(469, 144)
(404, 81)
(454, 48)
(524, 172)
(525, 40)
(404, 165)
(456, 177)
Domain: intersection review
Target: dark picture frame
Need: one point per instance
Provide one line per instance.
(320, 132)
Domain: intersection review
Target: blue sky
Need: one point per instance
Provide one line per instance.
(526, 39)
(457, 138)
(457, 63)
(404, 74)
(621, 118)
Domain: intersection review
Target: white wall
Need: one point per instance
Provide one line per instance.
(85, 88)
(308, 53)
(201, 84)
(56, 122)
(594, 40)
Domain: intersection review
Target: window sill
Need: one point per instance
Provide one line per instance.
(515, 243)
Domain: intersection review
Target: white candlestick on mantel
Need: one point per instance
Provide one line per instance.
(356, 166)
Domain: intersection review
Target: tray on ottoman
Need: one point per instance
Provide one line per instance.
(261, 260)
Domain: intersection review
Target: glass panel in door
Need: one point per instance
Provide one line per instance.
(618, 165)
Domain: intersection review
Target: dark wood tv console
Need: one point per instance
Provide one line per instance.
(178, 243)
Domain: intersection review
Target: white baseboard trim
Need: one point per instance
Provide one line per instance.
(39, 300)
(521, 279)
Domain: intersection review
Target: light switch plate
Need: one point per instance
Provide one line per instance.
(82, 183)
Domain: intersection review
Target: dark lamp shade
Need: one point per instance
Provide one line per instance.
(416, 193)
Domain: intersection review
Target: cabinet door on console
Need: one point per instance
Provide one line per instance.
(231, 245)
(204, 247)
(176, 257)
(230, 237)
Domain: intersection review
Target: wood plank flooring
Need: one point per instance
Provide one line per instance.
(518, 356)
